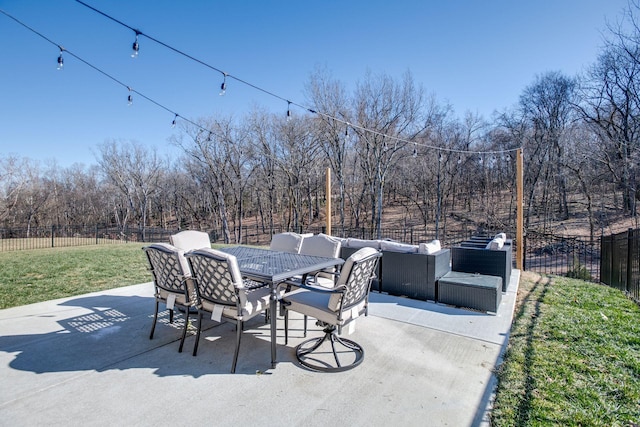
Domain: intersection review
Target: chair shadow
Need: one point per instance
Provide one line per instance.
(112, 333)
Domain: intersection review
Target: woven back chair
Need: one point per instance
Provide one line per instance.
(170, 276)
(223, 294)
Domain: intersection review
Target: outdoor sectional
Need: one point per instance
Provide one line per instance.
(403, 270)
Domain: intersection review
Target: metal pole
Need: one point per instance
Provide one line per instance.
(328, 196)
(519, 211)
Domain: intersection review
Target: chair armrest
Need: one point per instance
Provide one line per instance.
(338, 290)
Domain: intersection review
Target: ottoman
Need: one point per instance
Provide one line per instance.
(469, 290)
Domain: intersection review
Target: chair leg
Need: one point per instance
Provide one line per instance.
(171, 316)
(239, 328)
(195, 345)
(155, 319)
(286, 327)
(305, 325)
(184, 329)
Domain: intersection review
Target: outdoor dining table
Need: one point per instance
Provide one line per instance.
(274, 267)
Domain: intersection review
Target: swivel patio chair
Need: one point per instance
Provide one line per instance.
(223, 294)
(334, 309)
(170, 277)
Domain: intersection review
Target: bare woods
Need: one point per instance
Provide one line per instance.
(392, 148)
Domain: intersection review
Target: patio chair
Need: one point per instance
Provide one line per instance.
(222, 293)
(286, 242)
(169, 270)
(325, 246)
(334, 309)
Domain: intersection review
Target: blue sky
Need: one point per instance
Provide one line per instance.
(476, 55)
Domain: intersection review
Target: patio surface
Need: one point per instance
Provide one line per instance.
(88, 360)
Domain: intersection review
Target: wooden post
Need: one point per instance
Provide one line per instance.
(519, 210)
(328, 195)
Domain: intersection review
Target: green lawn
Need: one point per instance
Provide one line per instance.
(573, 357)
(43, 274)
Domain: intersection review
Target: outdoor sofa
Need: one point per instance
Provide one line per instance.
(405, 270)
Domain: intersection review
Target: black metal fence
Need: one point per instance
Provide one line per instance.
(564, 256)
(620, 262)
(12, 239)
(546, 254)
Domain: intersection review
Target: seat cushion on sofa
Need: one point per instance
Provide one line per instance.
(430, 247)
(496, 244)
(398, 247)
(361, 243)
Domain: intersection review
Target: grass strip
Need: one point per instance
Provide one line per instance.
(573, 357)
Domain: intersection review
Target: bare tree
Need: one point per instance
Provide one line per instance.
(329, 98)
(547, 106)
(391, 114)
(134, 171)
(611, 104)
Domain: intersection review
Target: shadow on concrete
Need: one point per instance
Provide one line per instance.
(112, 332)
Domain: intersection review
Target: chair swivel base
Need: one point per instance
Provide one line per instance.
(310, 354)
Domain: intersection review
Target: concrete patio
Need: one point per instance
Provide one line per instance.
(88, 360)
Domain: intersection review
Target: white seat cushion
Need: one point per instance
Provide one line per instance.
(398, 247)
(190, 239)
(256, 300)
(495, 244)
(316, 305)
(286, 242)
(430, 248)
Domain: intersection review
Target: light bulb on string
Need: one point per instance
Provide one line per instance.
(130, 97)
(288, 110)
(415, 150)
(223, 86)
(346, 133)
(60, 59)
(459, 159)
(136, 46)
(440, 158)
(173, 123)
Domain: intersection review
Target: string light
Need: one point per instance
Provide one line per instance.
(60, 59)
(395, 138)
(173, 123)
(415, 150)
(136, 46)
(130, 97)
(346, 132)
(135, 51)
(223, 86)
